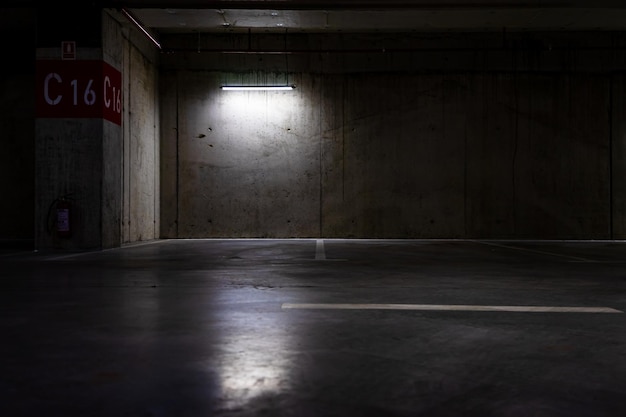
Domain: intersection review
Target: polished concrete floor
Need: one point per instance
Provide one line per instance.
(316, 328)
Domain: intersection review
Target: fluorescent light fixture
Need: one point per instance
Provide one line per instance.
(258, 87)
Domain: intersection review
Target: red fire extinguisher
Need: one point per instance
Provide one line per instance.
(63, 207)
(59, 218)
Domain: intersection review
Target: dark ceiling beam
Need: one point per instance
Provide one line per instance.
(361, 4)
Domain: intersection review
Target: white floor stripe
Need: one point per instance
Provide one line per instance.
(435, 307)
(320, 254)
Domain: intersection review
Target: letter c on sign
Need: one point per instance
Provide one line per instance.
(107, 84)
(56, 101)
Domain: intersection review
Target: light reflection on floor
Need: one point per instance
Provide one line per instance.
(251, 366)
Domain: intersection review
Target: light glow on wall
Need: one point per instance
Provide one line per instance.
(250, 158)
(252, 115)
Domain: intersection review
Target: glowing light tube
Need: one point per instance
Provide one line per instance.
(258, 87)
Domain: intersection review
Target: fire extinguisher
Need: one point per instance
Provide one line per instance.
(63, 217)
(59, 216)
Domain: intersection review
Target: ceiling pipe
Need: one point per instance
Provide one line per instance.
(379, 50)
(363, 4)
(141, 27)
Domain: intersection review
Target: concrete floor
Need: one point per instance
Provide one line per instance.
(200, 328)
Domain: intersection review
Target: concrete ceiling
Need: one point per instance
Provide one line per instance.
(377, 15)
(211, 20)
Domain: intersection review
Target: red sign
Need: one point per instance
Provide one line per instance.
(79, 89)
(111, 94)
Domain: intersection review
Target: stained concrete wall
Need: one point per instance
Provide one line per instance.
(131, 176)
(454, 136)
(69, 163)
(481, 155)
(240, 165)
(140, 149)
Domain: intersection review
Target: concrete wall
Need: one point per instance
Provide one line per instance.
(140, 148)
(132, 156)
(399, 136)
(248, 164)
(69, 163)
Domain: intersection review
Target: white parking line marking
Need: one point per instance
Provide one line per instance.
(320, 254)
(445, 307)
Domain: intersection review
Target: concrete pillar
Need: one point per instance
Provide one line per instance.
(77, 132)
